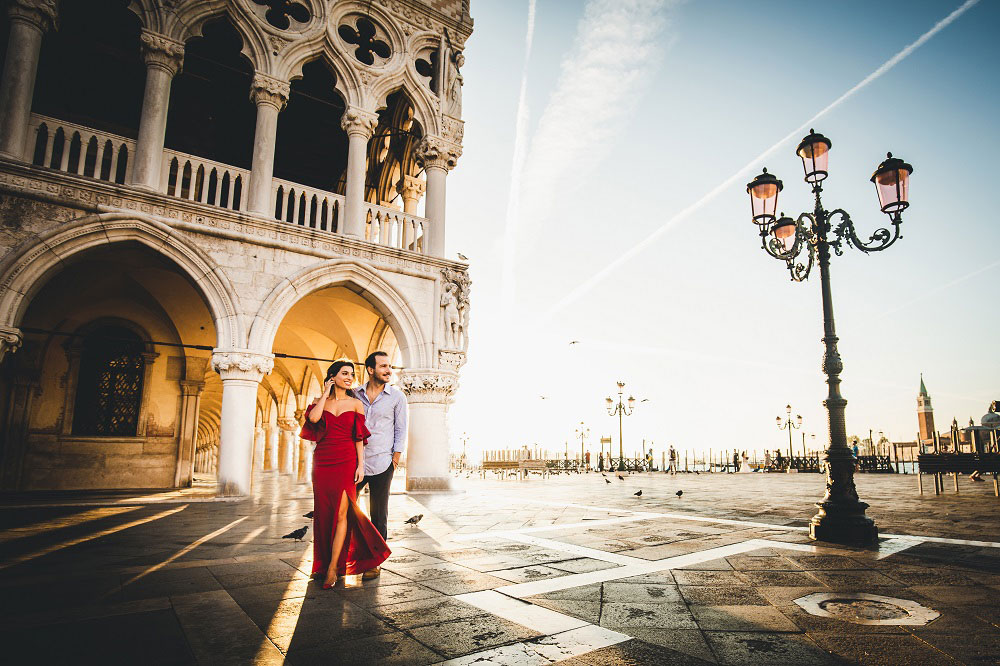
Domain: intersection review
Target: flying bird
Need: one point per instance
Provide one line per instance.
(621, 477)
(297, 534)
(308, 515)
(679, 493)
(607, 480)
(574, 342)
(462, 257)
(638, 494)
(544, 397)
(644, 400)
(413, 520)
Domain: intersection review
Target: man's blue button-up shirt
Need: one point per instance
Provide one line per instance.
(386, 420)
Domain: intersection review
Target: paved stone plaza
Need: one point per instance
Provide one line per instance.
(569, 569)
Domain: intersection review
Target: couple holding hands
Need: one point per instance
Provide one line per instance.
(360, 434)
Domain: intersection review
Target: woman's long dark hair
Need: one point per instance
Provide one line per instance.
(335, 368)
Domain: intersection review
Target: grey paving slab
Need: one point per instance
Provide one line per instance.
(741, 618)
(525, 574)
(589, 611)
(369, 596)
(582, 565)
(462, 584)
(638, 652)
(881, 649)
(422, 612)
(714, 578)
(459, 637)
(640, 592)
(765, 649)
(730, 595)
(392, 649)
(667, 615)
(219, 632)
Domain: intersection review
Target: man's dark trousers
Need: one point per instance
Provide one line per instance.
(378, 501)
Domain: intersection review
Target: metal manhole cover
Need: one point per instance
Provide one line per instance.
(863, 608)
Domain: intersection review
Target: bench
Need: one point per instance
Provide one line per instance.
(957, 463)
(501, 467)
(526, 466)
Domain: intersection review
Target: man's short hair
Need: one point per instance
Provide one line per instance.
(370, 361)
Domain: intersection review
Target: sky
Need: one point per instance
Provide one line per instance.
(601, 198)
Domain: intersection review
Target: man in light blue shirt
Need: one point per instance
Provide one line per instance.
(385, 415)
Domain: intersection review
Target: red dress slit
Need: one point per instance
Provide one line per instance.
(334, 462)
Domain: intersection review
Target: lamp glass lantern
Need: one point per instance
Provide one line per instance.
(763, 190)
(814, 150)
(784, 231)
(631, 402)
(892, 182)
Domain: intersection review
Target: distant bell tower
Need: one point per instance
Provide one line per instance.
(925, 413)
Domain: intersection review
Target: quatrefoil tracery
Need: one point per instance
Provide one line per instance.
(363, 36)
(280, 11)
(429, 67)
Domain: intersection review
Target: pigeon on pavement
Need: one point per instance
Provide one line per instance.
(679, 493)
(308, 515)
(413, 520)
(638, 494)
(297, 534)
(621, 477)
(607, 480)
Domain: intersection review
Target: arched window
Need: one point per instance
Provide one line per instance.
(109, 386)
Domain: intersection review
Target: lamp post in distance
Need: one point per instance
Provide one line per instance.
(621, 410)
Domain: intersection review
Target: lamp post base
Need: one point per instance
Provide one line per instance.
(852, 528)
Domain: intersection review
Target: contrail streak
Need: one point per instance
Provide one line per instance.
(507, 280)
(740, 175)
(947, 285)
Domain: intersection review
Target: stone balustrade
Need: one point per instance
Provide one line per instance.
(197, 179)
(66, 146)
(395, 228)
(72, 148)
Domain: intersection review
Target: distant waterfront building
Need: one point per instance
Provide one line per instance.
(202, 202)
(925, 415)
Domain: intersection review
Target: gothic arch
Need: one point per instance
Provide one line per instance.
(384, 298)
(26, 269)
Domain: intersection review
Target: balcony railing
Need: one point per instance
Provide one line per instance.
(72, 148)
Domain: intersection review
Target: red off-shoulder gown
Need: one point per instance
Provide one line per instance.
(334, 463)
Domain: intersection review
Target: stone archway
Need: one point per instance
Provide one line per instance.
(414, 347)
(28, 268)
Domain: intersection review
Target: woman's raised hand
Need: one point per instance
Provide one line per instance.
(328, 388)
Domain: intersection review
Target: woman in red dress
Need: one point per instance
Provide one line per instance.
(344, 539)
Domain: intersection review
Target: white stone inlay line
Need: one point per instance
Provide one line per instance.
(896, 545)
(522, 612)
(562, 526)
(546, 650)
(521, 590)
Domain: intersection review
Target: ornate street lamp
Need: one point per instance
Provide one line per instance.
(789, 425)
(583, 433)
(621, 410)
(800, 243)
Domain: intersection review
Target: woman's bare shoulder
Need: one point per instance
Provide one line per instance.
(358, 406)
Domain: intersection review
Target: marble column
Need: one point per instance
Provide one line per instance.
(270, 447)
(29, 20)
(287, 448)
(241, 372)
(428, 393)
(259, 439)
(270, 95)
(359, 125)
(190, 406)
(437, 156)
(163, 57)
(302, 464)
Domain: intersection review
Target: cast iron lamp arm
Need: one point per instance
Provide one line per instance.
(880, 240)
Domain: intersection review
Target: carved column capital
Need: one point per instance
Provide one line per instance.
(191, 388)
(358, 122)
(438, 152)
(268, 90)
(43, 14)
(10, 340)
(437, 386)
(288, 425)
(162, 52)
(410, 187)
(242, 364)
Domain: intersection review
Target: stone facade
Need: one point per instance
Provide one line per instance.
(235, 287)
